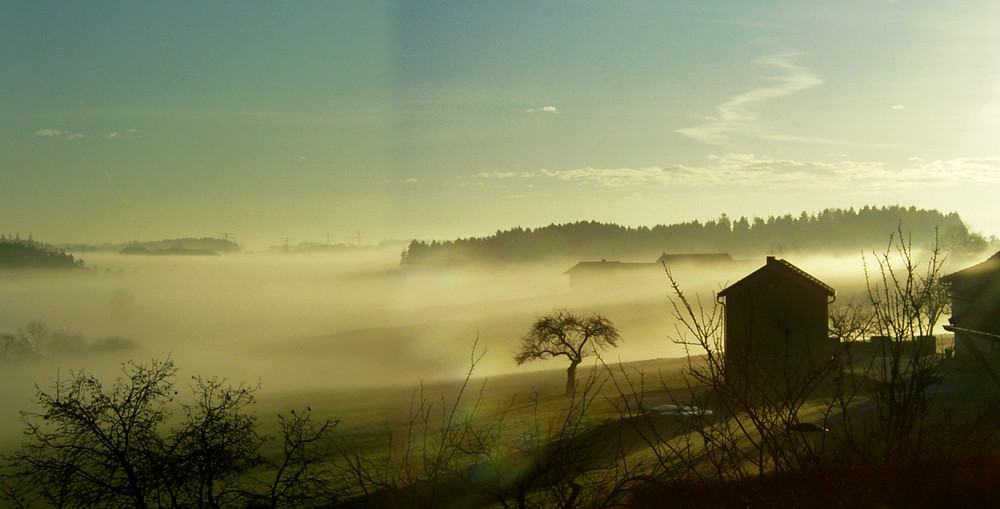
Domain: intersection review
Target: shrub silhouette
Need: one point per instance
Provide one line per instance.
(97, 446)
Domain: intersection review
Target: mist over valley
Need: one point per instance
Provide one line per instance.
(351, 318)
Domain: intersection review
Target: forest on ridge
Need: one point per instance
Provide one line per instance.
(832, 231)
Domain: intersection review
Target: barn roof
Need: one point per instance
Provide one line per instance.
(610, 266)
(781, 268)
(694, 257)
(975, 279)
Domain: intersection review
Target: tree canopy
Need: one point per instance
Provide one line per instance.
(564, 334)
(28, 254)
(831, 231)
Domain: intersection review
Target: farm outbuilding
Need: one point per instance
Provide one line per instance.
(776, 326)
(975, 308)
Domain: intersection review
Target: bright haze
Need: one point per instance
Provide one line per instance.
(274, 120)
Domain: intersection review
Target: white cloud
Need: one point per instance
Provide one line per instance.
(543, 109)
(76, 136)
(112, 135)
(737, 115)
(505, 174)
(899, 107)
(749, 170)
(410, 180)
(788, 138)
(614, 177)
(48, 132)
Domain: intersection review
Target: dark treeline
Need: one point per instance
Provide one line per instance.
(830, 231)
(326, 247)
(16, 253)
(186, 245)
(37, 340)
(189, 245)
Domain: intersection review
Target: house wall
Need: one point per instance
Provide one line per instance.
(977, 314)
(776, 331)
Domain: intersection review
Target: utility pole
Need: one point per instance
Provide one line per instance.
(286, 239)
(357, 238)
(228, 238)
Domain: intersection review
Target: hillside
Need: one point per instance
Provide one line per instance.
(184, 246)
(831, 231)
(179, 246)
(28, 254)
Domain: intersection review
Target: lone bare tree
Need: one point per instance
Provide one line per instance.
(566, 334)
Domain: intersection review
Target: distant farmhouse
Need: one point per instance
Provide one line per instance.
(699, 258)
(975, 309)
(605, 272)
(776, 326)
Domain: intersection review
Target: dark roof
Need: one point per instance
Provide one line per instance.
(694, 257)
(976, 278)
(776, 267)
(606, 266)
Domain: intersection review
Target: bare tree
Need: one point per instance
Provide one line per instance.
(97, 446)
(302, 475)
(91, 447)
(852, 321)
(217, 444)
(569, 335)
(907, 300)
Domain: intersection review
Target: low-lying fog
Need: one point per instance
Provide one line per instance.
(339, 320)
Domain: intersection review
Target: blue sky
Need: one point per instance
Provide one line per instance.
(140, 120)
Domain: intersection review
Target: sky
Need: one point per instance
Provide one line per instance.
(316, 120)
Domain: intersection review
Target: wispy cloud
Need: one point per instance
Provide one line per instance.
(78, 135)
(127, 133)
(57, 132)
(749, 170)
(898, 107)
(543, 109)
(506, 174)
(814, 140)
(738, 114)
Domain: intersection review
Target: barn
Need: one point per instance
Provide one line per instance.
(776, 326)
(975, 308)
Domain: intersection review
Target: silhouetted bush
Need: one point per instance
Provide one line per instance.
(92, 446)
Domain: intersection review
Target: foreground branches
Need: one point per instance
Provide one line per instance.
(97, 446)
